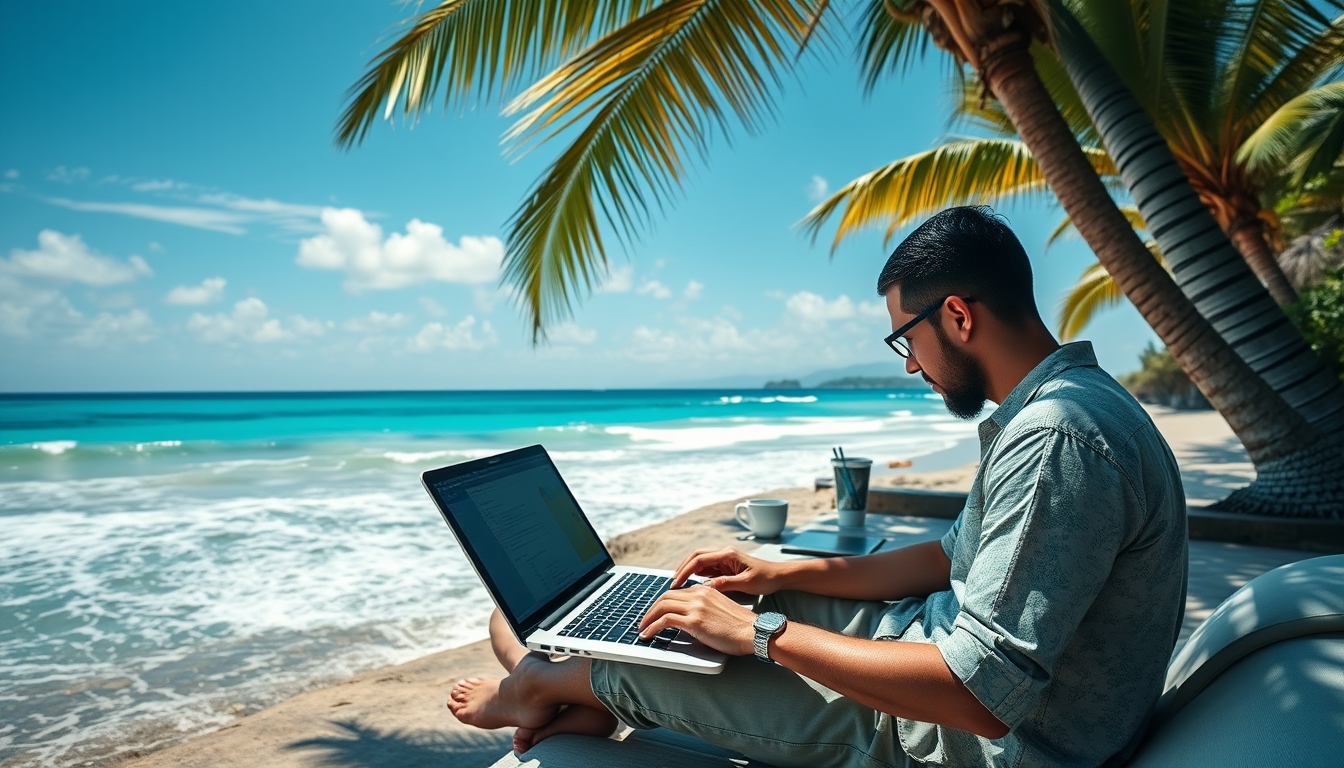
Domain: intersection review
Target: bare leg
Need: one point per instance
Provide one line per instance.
(506, 647)
(532, 696)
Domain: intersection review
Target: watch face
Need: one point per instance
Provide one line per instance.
(769, 622)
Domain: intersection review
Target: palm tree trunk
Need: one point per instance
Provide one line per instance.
(1249, 240)
(1204, 262)
(1277, 437)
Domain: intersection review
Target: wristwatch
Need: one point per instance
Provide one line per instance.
(767, 625)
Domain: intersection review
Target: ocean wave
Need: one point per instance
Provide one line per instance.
(54, 447)
(738, 399)
(699, 438)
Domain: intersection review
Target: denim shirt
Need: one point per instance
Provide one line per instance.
(1068, 575)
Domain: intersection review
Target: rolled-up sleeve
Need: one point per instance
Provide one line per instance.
(949, 540)
(1053, 523)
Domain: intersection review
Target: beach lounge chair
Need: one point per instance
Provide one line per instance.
(1260, 682)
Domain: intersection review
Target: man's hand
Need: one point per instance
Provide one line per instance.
(731, 571)
(707, 614)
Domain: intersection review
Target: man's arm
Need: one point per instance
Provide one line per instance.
(914, 571)
(917, 570)
(909, 680)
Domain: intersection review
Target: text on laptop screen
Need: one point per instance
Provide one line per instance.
(529, 534)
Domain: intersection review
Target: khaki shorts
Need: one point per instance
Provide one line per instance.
(764, 711)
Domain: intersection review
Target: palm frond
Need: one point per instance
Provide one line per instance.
(888, 45)
(957, 173)
(1065, 227)
(1307, 133)
(1285, 47)
(1193, 48)
(641, 99)
(977, 110)
(1117, 29)
(473, 47)
(973, 108)
(1094, 291)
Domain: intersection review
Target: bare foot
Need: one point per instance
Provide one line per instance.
(487, 703)
(585, 721)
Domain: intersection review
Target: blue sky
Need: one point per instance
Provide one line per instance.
(173, 216)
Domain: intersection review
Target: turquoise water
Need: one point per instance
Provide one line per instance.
(171, 561)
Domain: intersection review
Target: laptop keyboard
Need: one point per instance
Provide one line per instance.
(616, 616)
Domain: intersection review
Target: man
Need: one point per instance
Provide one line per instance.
(1036, 632)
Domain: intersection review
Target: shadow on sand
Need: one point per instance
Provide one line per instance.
(1211, 472)
(355, 745)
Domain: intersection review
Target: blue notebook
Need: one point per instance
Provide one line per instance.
(830, 544)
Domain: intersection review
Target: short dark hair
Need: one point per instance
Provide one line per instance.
(966, 251)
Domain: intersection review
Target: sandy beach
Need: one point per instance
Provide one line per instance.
(395, 716)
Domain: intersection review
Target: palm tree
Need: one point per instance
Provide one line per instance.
(1306, 217)
(1255, 138)
(1206, 265)
(638, 88)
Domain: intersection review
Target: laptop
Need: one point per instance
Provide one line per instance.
(548, 572)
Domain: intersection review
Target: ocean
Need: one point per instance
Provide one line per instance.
(170, 561)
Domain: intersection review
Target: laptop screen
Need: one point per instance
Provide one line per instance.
(521, 527)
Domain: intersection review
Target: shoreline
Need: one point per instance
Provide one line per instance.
(395, 715)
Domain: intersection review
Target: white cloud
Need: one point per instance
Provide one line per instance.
(27, 313)
(353, 245)
(47, 315)
(693, 290)
(810, 309)
(155, 185)
(655, 289)
(68, 175)
(873, 309)
(302, 326)
(436, 336)
(485, 298)
(109, 329)
(619, 280)
(432, 307)
(68, 258)
(210, 291)
(200, 218)
(294, 217)
(571, 333)
(266, 205)
(12, 173)
(250, 321)
(817, 189)
(699, 339)
(376, 322)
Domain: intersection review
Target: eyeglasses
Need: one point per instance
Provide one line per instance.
(894, 340)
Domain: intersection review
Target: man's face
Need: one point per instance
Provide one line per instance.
(941, 360)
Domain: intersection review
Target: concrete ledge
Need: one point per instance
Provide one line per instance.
(1312, 535)
(915, 502)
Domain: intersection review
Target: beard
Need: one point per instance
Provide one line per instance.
(964, 381)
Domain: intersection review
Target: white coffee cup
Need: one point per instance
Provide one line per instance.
(765, 518)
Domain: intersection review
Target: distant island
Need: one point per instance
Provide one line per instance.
(851, 382)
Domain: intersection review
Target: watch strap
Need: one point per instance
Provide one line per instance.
(761, 642)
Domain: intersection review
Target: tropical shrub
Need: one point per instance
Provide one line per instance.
(1160, 381)
(1319, 315)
